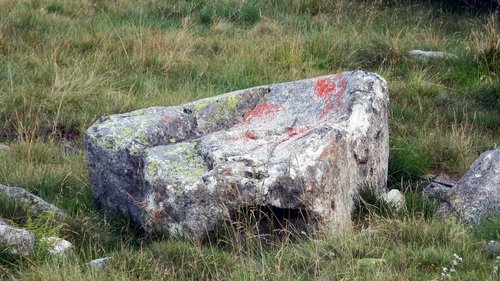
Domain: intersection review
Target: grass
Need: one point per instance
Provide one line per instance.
(64, 64)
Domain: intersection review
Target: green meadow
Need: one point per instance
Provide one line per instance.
(66, 63)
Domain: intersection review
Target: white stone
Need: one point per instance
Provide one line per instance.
(431, 54)
(4, 148)
(395, 198)
(98, 264)
(57, 246)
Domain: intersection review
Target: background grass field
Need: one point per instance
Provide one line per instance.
(63, 64)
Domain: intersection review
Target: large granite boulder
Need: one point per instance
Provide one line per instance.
(476, 195)
(305, 145)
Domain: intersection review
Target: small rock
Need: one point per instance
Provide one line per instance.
(493, 247)
(34, 204)
(58, 246)
(4, 148)
(367, 233)
(395, 198)
(431, 54)
(371, 262)
(16, 240)
(98, 264)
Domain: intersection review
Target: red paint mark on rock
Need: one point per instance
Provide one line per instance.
(166, 117)
(250, 135)
(324, 87)
(263, 111)
(293, 131)
(331, 91)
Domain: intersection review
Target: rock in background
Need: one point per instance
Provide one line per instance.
(33, 204)
(477, 194)
(304, 145)
(16, 240)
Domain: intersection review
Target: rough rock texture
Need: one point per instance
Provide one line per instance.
(304, 145)
(4, 148)
(16, 240)
(57, 246)
(33, 204)
(98, 264)
(395, 198)
(476, 194)
(493, 247)
(431, 54)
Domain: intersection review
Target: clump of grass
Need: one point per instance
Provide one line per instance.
(487, 229)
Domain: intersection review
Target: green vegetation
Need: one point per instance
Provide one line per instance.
(65, 63)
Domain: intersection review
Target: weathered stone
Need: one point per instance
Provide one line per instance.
(305, 145)
(33, 204)
(371, 263)
(431, 54)
(477, 194)
(4, 148)
(493, 247)
(57, 246)
(394, 198)
(16, 240)
(98, 264)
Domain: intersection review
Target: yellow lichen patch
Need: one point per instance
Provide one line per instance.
(178, 165)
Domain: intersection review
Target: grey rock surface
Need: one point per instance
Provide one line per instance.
(493, 247)
(304, 145)
(57, 246)
(16, 240)
(431, 54)
(395, 198)
(32, 203)
(4, 148)
(99, 264)
(477, 194)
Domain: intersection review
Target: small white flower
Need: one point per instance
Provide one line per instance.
(446, 269)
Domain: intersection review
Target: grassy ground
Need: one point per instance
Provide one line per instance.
(63, 64)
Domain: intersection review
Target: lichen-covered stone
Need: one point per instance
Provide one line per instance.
(32, 204)
(57, 246)
(18, 241)
(476, 195)
(303, 145)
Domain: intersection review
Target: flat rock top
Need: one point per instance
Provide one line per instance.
(251, 117)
